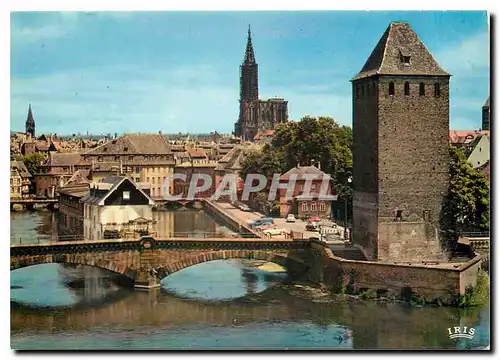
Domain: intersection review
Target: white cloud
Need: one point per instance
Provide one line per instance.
(54, 25)
(125, 99)
(467, 56)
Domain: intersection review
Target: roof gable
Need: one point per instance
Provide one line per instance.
(400, 52)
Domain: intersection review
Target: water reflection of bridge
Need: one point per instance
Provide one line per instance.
(373, 326)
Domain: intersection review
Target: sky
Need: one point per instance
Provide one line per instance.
(107, 72)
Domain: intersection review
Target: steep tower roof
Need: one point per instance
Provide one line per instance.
(30, 123)
(249, 54)
(400, 52)
(487, 103)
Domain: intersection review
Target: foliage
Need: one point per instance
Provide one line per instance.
(467, 204)
(321, 140)
(32, 162)
(479, 294)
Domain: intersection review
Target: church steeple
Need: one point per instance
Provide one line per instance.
(30, 123)
(249, 54)
(249, 88)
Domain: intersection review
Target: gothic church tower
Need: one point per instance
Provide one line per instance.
(30, 123)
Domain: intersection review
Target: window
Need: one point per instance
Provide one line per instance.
(117, 158)
(407, 89)
(304, 206)
(126, 195)
(105, 149)
(391, 89)
(322, 206)
(437, 90)
(313, 187)
(362, 91)
(399, 214)
(152, 192)
(153, 180)
(137, 169)
(137, 179)
(422, 89)
(99, 158)
(313, 206)
(406, 60)
(130, 158)
(147, 180)
(125, 149)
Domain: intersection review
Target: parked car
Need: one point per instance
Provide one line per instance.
(275, 231)
(262, 221)
(244, 207)
(312, 226)
(290, 218)
(315, 219)
(265, 226)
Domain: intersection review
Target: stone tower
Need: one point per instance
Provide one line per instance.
(30, 123)
(247, 123)
(400, 149)
(486, 115)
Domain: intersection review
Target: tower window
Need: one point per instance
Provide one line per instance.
(391, 88)
(422, 89)
(407, 89)
(399, 214)
(437, 90)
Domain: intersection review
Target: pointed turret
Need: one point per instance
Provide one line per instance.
(400, 52)
(30, 123)
(249, 54)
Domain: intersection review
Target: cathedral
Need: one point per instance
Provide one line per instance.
(256, 115)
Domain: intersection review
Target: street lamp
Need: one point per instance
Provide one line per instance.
(349, 180)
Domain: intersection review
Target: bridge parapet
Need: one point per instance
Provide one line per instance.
(145, 261)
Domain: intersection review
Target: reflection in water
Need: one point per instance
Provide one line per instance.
(262, 316)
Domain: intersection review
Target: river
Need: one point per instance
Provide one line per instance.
(215, 305)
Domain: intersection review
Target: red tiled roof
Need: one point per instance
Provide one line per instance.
(263, 133)
(465, 136)
(197, 153)
(301, 171)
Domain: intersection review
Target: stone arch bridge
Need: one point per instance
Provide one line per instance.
(147, 261)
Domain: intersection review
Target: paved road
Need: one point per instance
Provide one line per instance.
(298, 226)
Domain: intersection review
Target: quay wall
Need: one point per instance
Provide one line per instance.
(235, 224)
(428, 281)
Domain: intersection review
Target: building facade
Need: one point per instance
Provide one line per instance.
(400, 168)
(116, 208)
(144, 158)
(306, 205)
(256, 115)
(20, 180)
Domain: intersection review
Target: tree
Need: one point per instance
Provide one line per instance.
(32, 162)
(321, 140)
(467, 204)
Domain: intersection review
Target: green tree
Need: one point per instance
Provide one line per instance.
(32, 162)
(467, 204)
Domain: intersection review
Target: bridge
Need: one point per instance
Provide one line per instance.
(146, 261)
(31, 202)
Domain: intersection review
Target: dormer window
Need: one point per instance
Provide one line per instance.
(404, 56)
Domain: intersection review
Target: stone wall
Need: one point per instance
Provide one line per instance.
(401, 241)
(443, 281)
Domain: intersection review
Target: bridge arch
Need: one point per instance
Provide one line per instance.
(291, 263)
(93, 262)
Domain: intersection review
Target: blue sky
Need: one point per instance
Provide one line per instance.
(179, 71)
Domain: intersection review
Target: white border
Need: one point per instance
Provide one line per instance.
(124, 5)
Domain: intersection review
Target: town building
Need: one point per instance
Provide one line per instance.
(145, 158)
(116, 208)
(255, 114)
(304, 205)
(57, 170)
(400, 168)
(20, 180)
(478, 152)
(486, 115)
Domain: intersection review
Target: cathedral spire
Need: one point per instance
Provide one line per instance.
(30, 123)
(249, 54)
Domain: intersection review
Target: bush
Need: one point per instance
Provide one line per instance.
(476, 295)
